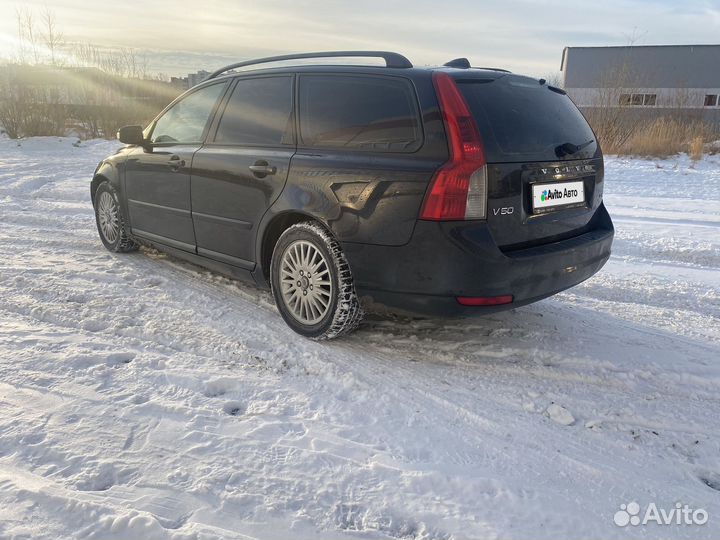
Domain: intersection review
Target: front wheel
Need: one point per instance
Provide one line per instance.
(109, 220)
(312, 283)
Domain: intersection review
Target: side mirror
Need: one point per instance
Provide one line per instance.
(131, 135)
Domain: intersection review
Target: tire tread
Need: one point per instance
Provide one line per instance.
(348, 311)
(125, 242)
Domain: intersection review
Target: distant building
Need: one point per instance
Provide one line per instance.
(193, 79)
(181, 83)
(650, 81)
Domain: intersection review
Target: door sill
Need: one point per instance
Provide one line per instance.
(190, 248)
(227, 259)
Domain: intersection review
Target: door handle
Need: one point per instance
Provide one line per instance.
(175, 163)
(261, 168)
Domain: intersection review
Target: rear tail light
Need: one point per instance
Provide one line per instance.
(485, 300)
(459, 188)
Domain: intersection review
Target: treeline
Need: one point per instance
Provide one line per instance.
(46, 100)
(53, 88)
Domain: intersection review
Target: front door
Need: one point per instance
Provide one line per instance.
(157, 178)
(242, 168)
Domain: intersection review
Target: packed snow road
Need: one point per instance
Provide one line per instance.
(142, 397)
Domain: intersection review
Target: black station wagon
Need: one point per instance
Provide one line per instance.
(438, 191)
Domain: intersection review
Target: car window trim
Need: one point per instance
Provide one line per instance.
(416, 106)
(208, 123)
(212, 131)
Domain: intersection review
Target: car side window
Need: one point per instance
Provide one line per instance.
(185, 121)
(359, 112)
(258, 113)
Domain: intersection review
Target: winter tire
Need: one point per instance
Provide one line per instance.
(110, 222)
(312, 283)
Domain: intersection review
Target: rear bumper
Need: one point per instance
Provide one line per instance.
(445, 260)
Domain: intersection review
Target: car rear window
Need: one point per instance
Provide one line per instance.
(370, 113)
(521, 120)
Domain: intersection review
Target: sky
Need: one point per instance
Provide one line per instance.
(181, 36)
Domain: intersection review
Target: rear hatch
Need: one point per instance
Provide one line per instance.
(545, 169)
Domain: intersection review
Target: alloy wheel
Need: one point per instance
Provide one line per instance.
(305, 282)
(108, 217)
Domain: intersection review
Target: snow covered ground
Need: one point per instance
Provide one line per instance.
(142, 397)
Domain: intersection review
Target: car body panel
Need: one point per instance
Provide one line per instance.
(445, 260)
(229, 201)
(112, 170)
(510, 214)
(360, 198)
(157, 191)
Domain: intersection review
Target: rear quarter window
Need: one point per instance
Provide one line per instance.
(357, 112)
(521, 120)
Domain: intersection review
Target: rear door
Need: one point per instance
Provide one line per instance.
(243, 167)
(157, 179)
(545, 168)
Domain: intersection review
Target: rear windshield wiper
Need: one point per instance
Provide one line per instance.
(566, 149)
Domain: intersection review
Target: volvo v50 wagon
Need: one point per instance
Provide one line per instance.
(430, 191)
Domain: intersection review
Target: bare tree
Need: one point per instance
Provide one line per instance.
(30, 33)
(38, 99)
(27, 110)
(21, 52)
(123, 62)
(52, 37)
(554, 79)
(609, 115)
(11, 109)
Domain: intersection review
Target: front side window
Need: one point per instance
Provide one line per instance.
(185, 121)
(359, 112)
(258, 113)
(711, 100)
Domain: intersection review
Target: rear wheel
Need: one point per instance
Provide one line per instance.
(312, 283)
(109, 220)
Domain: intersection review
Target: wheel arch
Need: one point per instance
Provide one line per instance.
(271, 233)
(106, 172)
(96, 181)
(109, 172)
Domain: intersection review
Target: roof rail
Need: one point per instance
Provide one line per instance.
(464, 63)
(392, 60)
